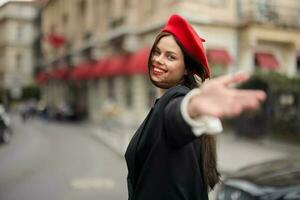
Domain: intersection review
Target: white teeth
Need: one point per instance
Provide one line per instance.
(158, 70)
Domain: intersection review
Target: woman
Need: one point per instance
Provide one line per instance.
(173, 153)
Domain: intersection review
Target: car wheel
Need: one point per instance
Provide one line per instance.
(6, 136)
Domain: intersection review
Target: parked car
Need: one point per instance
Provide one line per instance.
(5, 131)
(273, 180)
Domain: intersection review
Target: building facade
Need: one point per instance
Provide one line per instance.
(269, 35)
(18, 34)
(95, 51)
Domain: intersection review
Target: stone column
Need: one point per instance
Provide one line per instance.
(90, 106)
(139, 96)
(120, 91)
(103, 96)
(289, 63)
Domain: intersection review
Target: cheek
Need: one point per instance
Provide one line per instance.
(179, 69)
(177, 73)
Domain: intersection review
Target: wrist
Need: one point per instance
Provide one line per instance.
(199, 122)
(192, 109)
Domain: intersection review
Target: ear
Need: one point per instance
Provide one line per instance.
(185, 71)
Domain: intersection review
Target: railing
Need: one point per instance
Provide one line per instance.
(277, 12)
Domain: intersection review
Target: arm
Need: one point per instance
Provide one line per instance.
(198, 112)
(177, 131)
(218, 98)
(180, 128)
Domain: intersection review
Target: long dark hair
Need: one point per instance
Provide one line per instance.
(211, 175)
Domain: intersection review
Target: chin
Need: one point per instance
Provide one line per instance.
(164, 84)
(161, 84)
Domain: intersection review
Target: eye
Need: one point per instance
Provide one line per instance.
(171, 57)
(156, 52)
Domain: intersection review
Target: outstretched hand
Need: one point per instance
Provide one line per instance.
(218, 98)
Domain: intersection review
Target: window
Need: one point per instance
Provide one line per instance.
(65, 20)
(215, 2)
(126, 4)
(2, 56)
(111, 89)
(128, 91)
(81, 8)
(19, 60)
(263, 6)
(52, 28)
(298, 64)
(150, 7)
(266, 10)
(19, 32)
(109, 9)
(298, 8)
(96, 12)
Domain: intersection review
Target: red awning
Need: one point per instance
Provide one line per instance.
(42, 78)
(83, 71)
(99, 68)
(266, 60)
(123, 64)
(56, 40)
(61, 73)
(219, 56)
(111, 66)
(116, 65)
(138, 63)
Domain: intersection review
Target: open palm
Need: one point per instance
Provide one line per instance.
(218, 98)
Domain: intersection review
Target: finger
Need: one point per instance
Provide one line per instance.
(258, 94)
(232, 110)
(249, 100)
(227, 80)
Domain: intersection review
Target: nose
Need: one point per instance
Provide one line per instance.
(158, 58)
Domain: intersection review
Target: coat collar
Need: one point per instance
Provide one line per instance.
(130, 154)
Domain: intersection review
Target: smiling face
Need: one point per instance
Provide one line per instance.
(167, 68)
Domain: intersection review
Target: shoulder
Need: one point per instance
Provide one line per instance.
(179, 90)
(170, 94)
(174, 92)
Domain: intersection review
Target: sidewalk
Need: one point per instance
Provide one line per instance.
(233, 152)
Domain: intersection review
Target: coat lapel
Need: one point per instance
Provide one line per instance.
(130, 154)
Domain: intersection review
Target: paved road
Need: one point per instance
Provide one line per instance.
(56, 161)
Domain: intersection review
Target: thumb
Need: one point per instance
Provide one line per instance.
(228, 80)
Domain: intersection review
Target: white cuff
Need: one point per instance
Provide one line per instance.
(203, 124)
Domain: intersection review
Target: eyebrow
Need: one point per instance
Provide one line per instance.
(169, 52)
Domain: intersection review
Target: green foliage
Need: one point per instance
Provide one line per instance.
(31, 92)
(273, 81)
(279, 117)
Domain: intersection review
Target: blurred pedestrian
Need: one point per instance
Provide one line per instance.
(173, 153)
(28, 110)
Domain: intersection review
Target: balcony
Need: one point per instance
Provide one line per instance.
(270, 12)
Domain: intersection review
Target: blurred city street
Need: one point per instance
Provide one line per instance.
(64, 161)
(59, 161)
(234, 151)
(74, 83)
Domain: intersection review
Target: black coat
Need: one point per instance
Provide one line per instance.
(163, 157)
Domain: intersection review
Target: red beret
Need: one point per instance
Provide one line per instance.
(191, 41)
